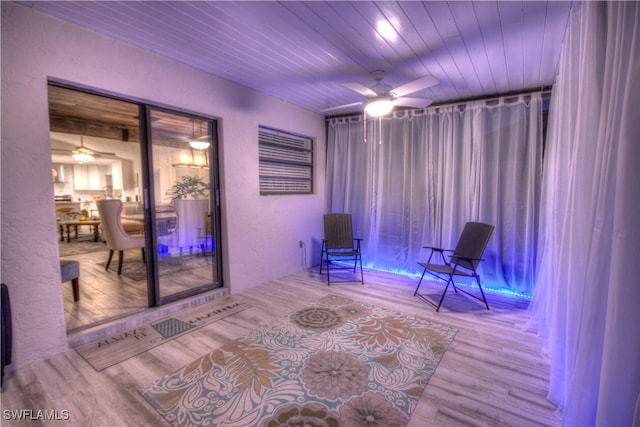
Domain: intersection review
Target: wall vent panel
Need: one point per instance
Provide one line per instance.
(286, 162)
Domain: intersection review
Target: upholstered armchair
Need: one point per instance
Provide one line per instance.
(114, 234)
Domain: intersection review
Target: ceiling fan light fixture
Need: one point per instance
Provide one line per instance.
(197, 144)
(201, 143)
(379, 107)
(82, 157)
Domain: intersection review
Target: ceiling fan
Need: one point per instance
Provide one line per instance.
(83, 154)
(382, 97)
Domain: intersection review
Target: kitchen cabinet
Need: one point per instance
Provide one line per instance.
(122, 172)
(90, 176)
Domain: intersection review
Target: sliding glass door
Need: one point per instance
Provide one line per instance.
(163, 167)
(182, 204)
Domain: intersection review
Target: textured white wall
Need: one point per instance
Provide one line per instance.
(260, 234)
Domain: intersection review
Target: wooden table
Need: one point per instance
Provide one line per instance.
(62, 225)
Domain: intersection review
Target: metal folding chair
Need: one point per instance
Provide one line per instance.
(339, 244)
(463, 261)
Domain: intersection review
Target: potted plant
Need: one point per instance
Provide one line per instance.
(188, 187)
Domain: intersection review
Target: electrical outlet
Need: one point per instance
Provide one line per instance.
(300, 244)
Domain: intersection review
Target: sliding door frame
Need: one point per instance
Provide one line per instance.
(154, 293)
(154, 298)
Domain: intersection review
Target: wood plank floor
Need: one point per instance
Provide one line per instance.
(491, 375)
(105, 296)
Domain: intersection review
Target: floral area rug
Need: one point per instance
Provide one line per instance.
(335, 363)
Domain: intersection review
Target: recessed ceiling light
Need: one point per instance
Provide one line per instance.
(386, 30)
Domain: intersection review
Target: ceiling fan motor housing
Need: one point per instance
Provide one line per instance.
(379, 87)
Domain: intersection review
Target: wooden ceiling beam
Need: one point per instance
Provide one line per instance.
(95, 129)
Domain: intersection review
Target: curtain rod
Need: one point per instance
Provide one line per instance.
(544, 90)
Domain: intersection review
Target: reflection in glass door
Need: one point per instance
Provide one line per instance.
(182, 204)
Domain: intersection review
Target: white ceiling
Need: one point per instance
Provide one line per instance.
(303, 52)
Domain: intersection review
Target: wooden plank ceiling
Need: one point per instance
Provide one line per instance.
(80, 113)
(305, 52)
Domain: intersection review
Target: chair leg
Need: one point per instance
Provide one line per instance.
(109, 260)
(76, 289)
(322, 256)
(328, 269)
(425, 298)
(144, 258)
(444, 293)
(454, 286)
(120, 256)
(482, 292)
(361, 273)
(420, 282)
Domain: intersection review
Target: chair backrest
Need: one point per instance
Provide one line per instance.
(472, 243)
(337, 231)
(117, 239)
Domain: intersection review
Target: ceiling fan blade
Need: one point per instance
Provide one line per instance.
(102, 153)
(341, 107)
(412, 102)
(361, 89)
(83, 147)
(414, 86)
(86, 150)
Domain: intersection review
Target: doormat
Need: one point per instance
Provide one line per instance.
(115, 349)
(338, 362)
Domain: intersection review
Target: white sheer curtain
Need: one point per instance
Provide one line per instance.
(587, 297)
(421, 176)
